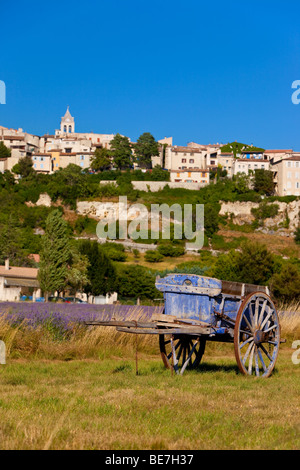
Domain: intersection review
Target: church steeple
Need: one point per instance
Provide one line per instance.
(67, 123)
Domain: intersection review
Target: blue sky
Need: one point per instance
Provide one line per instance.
(199, 71)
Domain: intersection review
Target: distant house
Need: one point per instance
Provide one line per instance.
(287, 175)
(16, 281)
(190, 176)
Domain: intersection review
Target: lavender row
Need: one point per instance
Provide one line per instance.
(64, 316)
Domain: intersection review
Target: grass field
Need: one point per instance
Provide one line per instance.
(84, 394)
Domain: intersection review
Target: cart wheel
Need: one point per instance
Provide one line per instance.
(257, 335)
(184, 346)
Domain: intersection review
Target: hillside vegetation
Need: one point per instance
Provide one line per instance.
(232, 252)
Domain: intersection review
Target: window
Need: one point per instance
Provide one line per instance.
(42, 166)
(178, 174)
(297, 164)
(289, 174)
(189, 174)
(297, 185)
(289, 184)
(183, 160)
(288, 164)
(191, 160)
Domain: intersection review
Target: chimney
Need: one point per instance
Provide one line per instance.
(7, 264)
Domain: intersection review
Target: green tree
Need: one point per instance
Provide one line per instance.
(211, 218)
(242, 183)
(101, 159)
(121, 152)
(136, 281)
(101, 273)
(297, 235)
(77, 277)
(5, 152)
(264, 182)
(145, 148)
(24, 167)
(285, 285)
(55, 254)
(253, 265)
(11, 241)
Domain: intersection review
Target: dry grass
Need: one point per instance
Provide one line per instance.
(104, 342)
(83, 393)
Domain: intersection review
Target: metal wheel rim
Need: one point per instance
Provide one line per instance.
(257, 335)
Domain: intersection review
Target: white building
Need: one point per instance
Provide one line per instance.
(249, 165)
(15, 281)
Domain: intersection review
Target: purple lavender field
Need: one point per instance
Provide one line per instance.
(64, 316)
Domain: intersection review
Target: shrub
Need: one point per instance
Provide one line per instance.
(253, 265)
(153, 256)
(171, 250)
(286, 284)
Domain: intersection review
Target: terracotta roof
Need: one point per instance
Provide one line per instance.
(190, 170)
(294, 158)
(41, 154)
(14, 271)
(187, 149)
(13, 137)
(245, 160)
(279, 151)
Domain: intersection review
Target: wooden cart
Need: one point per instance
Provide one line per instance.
(198, 309)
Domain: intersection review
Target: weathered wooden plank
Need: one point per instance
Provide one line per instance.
(166, 331)
(121, 323)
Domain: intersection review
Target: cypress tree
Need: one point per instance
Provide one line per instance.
(55, 254)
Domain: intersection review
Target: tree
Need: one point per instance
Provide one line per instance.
(101, 274)
(297, 236)
(242, 183)
(55, 254)
(253, 265)
(24, 167)
(121, 152)
(11, 242)
(211, 218)
(5, 152)
(136, 281)
(101, 159)
(77, 277)
(286, 284)
(263, 182)
(145, 148)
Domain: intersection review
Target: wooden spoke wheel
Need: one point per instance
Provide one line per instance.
(181, 351)
(257, 335)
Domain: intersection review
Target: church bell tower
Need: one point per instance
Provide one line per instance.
(67, 123)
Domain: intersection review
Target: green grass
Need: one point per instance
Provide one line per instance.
(102, 404)
(83, 393)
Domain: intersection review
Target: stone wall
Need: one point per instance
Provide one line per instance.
(154, 186)
(241, 213)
